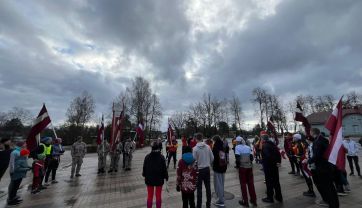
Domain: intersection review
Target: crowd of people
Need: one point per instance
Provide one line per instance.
(46, 158)
(193, 170)
(200, 155)
(124, 148)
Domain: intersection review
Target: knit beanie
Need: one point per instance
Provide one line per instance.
(20, 143)
(24, 152)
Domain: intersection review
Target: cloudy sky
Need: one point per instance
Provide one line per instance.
(50, 51)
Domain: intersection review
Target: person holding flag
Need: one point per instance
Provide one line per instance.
(39, 124)
(323, 169)
(172, 152)
(102, 150)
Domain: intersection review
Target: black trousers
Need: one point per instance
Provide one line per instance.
(171, 155)
(296, 163)
(292, 165)
(124, 160)
(188, 199)
(53, 171)
(204, 176)
(307, 179)
(13, 189)
(272, 182)
(2, 172)
(354, 159)
(323, 179)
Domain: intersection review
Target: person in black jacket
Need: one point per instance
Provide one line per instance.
(219, 166)
(5, 151)
(322, 175)
(154, 172)
(271, 162)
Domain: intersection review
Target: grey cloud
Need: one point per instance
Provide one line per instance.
(309, 47)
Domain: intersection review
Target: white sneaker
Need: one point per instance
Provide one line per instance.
(342, 194)
(218, 204)
(321, 203)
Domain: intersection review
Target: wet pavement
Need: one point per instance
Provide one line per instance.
(127, 189)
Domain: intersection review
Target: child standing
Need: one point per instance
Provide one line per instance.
(38, 173)
(187, 172)
(19, 172)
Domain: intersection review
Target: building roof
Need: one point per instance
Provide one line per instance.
(322, 117)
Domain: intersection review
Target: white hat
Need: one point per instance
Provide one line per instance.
(297, 137)
(239, 138)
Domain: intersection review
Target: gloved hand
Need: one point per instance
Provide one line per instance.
(178, 188)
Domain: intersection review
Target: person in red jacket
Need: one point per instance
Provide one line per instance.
(192, 142)
(288, 148)
(172, 152)
(184, 143)
(38, 173)
(187, 172)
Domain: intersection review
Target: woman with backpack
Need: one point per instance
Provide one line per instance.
(219, 166)
(187, 172)
(155, 173)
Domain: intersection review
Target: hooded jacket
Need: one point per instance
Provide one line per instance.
(270, 154)
(218, 146)
(187, 173)
(203, 155)
(20, 168)
(154, 169)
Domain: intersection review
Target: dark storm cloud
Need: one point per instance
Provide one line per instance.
(316, 41)
(157, 30)
(309, 47)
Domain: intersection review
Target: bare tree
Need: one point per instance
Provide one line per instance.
(259, 99)
(324, 103)
(81, 109)
(236, 110)
(179, 120)
(140, 99)
(155, 113)
(22, 114)
(353, 100)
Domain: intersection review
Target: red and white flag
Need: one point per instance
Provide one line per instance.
(140, 133)
(300, 117)
(120, 124)
(170, 132)
(336, 152)
(306, 169)
(39, 124)
(272, 130)
(114, 128)
(100, 135)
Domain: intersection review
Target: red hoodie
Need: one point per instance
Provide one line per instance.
(187, 176)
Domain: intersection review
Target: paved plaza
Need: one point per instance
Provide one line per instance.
(127, 189)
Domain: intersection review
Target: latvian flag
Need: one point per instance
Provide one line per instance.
(140, 133)
(120, 125)
(39, 124)
(300, 117)
(336, 152)
(305, 168)
(100, 132)
(170, 132)
(271, 128)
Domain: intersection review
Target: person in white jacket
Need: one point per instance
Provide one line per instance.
(204, 157)
(352, 155)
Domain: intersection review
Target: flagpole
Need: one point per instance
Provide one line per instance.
(102, 135)
(51, 125)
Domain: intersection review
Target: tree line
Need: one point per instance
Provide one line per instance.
(141, 104)
(210, 115)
